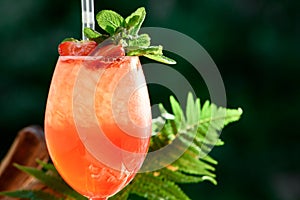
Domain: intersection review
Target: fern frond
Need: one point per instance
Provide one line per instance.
(195, 132)
(31, 194)
(56, 183)
(47, 166)
(153, 187)
(189, 164)
(178, 177)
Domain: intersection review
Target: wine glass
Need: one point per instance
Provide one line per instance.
(98, 122)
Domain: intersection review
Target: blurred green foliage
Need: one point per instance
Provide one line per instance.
(255, 45)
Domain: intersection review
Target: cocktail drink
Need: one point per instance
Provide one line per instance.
(98, 122)
(98, 115)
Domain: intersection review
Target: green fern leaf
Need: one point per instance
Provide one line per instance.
(192, 114)
(47, 166)
(232, 115)
(154, 188)
(178, 113)
(56, 183)
(220, 117)
(209, 159)
(198, 131)
(31, 194)
(189, 164)
(179, 177)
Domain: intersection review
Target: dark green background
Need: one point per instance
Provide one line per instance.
(255, 45)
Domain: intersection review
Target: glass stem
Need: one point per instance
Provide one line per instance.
(87, 15)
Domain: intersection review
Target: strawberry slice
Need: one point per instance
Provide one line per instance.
(109, 50)
(111, 53)
(76, 48)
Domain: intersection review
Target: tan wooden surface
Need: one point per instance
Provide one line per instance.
(28, 146)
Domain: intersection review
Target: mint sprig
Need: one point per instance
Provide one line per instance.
(125, 31)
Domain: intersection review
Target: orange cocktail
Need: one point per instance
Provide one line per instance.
(98, 122)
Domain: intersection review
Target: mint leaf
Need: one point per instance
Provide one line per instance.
(140, 51)
(151, 52)
(135, 20)
(91, 34)
(94, 35)
(69, 39)
(139, 41)
(130, 23)
(109, 21)
(161, 58)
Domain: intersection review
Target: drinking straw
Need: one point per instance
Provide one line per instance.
(87, 15)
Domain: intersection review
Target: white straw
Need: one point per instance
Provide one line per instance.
(87, 15)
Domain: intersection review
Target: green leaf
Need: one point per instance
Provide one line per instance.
(141, 51)
(161, 58)
(233, 115)
(192, 111)
(31, 194)
(125, 32)
(197, 129)
(135, 21)
(94, 35)
(153, 188)
(209, 159)
(139, 41)
(157, 124)
(69, 39)
(46, 166)
(151, 52)
(179, 177)
(53, 182)
(109, 21)
(212, 121)
(189, 164)
(130, 23)
(179, 116)
(91, 34)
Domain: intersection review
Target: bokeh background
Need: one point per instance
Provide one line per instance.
(255, 45)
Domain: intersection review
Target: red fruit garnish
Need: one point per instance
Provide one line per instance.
(109, 50)
(111, 53)
(76, 48)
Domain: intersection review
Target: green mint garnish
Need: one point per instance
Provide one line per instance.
(126, 32)
(91, 34)
(160, 58)
(140, 51)
(142, 40)
(69, 39)
(109, 21)
(94, 35)
(135, 21)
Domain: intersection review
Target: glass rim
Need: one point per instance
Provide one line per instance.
(96, 57)
(106, 60)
